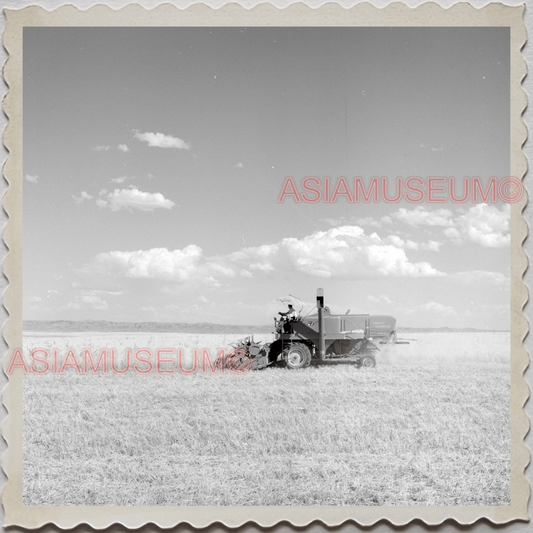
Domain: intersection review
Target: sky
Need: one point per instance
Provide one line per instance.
(154, 161)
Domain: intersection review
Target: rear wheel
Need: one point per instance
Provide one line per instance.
(368, 361)
(297, 356)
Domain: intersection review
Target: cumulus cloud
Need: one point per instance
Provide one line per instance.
(87, 299)
(332, 221)
(83, 196)
(401, 243)
(420, 216)
(341, 253)
(357, 221)
(344, 252)
(431, 245)
(31, 179)
(483, 224)
(158, 263)
(439, 309)
(368, 221)
(161, 140)
(122, 179)
(101, 148)
(123, 148)
(482, 276)
(133, 198)
(382, 298)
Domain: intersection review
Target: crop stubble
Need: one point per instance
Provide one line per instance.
(428, 426)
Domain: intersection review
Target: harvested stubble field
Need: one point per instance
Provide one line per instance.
(429, 426)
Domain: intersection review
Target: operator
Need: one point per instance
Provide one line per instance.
(289, 316)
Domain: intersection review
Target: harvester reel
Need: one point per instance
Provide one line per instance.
(238, 360)
(297, 355)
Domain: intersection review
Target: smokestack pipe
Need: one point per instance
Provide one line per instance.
(321, 332)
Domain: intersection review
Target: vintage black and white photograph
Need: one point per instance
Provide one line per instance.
(266, 266)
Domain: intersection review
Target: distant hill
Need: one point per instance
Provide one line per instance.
(155, 327)
(64, 326)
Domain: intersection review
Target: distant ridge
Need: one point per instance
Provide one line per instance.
(126, 327)
(63, 326)
(450, 330)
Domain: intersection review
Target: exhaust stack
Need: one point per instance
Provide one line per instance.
(321, 332)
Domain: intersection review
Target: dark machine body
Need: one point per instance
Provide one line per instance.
(322, 338)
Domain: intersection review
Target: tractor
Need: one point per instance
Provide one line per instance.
(322, 338)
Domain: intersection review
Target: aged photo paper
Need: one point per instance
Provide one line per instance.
(176, 178)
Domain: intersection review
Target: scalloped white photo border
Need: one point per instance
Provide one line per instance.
(397, 14)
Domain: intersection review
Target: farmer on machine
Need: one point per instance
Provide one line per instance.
(288, 316)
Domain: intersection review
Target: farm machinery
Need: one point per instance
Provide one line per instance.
(322, 338)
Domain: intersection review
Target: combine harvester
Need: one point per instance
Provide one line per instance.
(322, 339)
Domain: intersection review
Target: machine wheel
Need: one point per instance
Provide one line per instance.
(297, 356)
(367, 361)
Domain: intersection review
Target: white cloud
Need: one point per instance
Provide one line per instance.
(358, 221)
(239, 165)
(158, 263)
(218, 268)
(87, 299)
(434, 246)
(94, 301)
(161, 140)
(420, 216)
(482, 224)
(332, 221)
(133, 198)
(368, 221)
(101, 148)
(108, 293)
(382, 298)
(400, 243)
(439, 309)
(482, 276)
(265, 267)
(485, 225)
(123, 148)
(31, 179)
(342, 253)
(122, 179)
(83, 196)
(210, 281)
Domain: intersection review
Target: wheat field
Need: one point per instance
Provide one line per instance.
(429, 426)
